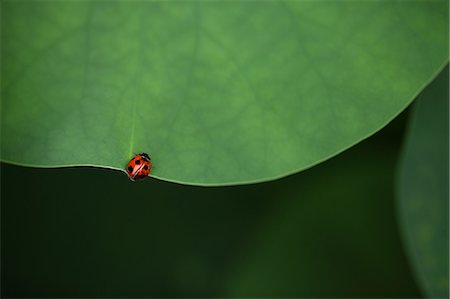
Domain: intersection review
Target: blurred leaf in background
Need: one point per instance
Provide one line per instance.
(217, 92)
(329, 231)
(423, 188)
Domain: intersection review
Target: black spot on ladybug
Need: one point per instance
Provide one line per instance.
(137, 161)
(142, 176)
(130, 168)
(145, 167)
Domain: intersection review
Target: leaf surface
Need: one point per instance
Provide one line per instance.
(217, 92)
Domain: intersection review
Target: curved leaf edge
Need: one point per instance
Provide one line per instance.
(272, 178)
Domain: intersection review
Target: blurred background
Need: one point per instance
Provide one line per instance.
(330, 231)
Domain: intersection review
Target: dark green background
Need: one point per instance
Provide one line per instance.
(330, 231)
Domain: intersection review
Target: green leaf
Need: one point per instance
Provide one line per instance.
(423, 188)
(217, 92)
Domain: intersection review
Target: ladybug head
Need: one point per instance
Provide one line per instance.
(145, 156)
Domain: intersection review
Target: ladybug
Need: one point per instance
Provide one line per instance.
(139, 167)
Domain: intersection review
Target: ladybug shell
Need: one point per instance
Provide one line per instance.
(139, 167)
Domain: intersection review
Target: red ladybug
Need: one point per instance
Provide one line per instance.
(139, 167)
